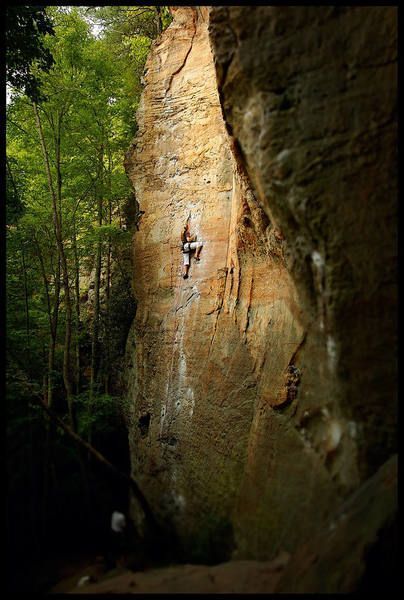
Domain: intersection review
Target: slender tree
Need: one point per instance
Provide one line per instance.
(57, 221)
(66, 137)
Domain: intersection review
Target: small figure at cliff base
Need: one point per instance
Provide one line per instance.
(116, 555)
(189, 244)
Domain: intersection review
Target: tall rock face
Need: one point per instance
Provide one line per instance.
(261, 388)
(314, 112)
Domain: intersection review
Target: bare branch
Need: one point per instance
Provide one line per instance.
(101, 459)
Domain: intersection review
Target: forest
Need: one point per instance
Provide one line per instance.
(74, 82)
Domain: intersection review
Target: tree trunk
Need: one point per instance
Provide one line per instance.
(56, 204)
(27, 326)
(66, 286)
(108, 284)
(33, 495)
(52, 318)
(96, 307)
(77, 307)
(48, 460)
(54, 326)
(150, 518)
(159, 22)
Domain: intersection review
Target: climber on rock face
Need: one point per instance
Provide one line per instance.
(189, 244)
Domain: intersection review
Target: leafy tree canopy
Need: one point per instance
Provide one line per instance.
(68, 259)
(26, 27)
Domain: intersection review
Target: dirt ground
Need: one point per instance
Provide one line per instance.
(229, 577)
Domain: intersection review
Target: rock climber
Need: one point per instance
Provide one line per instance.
(189, 244)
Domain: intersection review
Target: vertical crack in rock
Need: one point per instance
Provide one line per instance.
(310, 144)
(214, 353)
(177, 71)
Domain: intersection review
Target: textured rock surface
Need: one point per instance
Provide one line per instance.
(254, 388)
(314, 112)
(332, 562)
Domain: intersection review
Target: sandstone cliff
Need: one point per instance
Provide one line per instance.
(315, 114)
(261, 389)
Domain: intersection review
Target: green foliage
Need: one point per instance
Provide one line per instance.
(128, 31)
(166, 16)
(130, 21)
(102, 419)
(137, 47)
(90, 90)
(26, 27)
(110, 233)
(15, 184)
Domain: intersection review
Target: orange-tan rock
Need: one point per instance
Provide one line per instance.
(240, 430)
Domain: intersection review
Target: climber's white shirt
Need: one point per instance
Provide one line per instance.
(118, 521)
